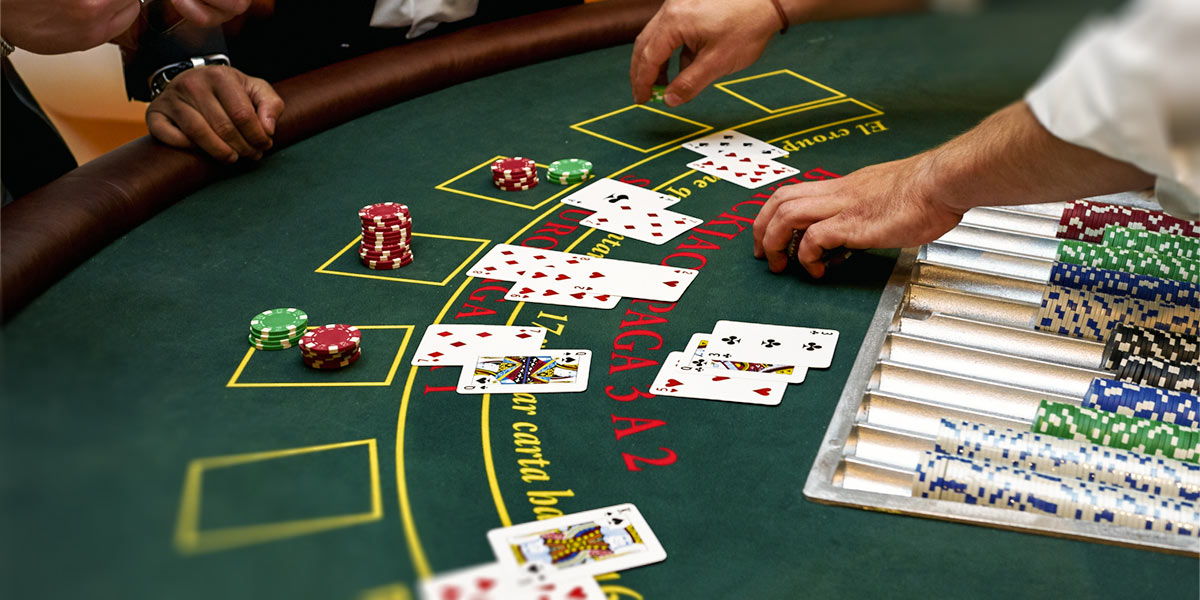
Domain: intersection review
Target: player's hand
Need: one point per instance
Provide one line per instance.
(60, 26)
(218, 109)
(210, 13)
(889, 205)
(719, 37)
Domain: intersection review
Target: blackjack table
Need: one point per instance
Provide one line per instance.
(150, 452)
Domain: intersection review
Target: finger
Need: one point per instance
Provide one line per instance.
(238, 107)
(206, 13)
(165, 131)
(220, 123)
(651, 51)
(266, 101)
(797, 214)
(818, 241)
(199, 132)
(704, 67)
(787, 193)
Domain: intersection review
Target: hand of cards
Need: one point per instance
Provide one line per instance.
(739, 158)
(499, 359)
(554, 558)
(749, 363)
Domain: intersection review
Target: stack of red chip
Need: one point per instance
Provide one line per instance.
(1085, 221)
(386, 236)
(331, 346)
(514, 174)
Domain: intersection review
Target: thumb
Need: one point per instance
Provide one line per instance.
(267, 103)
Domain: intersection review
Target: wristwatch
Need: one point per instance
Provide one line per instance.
(160, 78)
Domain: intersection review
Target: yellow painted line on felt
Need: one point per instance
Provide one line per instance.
(836, 94)
(419, 561)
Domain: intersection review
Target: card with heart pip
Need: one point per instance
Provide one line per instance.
(730, 140)
(762, 342)
(655, 226)
(491, 581)
(745, 171)
(625, 278)
(696, 360)
(592, 542)
(546, 372)
(542, 291)
(507, 262)
(707, 384)
(462, 344)
(607, 194)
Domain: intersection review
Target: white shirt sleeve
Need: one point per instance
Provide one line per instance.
(420, 16)
(1128, 87)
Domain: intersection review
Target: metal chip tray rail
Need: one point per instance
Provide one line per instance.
(953, 338)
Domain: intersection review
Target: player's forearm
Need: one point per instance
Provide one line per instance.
(1010, 159)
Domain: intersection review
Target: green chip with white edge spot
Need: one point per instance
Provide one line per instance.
(278, 320)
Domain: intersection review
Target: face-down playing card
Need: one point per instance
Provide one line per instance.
(592, 542)
(672, 380)
(547, 371)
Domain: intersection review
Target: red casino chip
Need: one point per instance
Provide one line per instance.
(335, 338)
(387, 212)
(333, 363)
(516, 166)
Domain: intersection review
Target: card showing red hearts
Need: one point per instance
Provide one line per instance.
(493, 582)
(747, 171)
(708, 384)
(603, 276)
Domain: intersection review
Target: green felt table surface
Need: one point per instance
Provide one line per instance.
(148, 453)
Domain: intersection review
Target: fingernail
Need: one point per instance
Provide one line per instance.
(232, 158)
(672, 99)
(271, 125)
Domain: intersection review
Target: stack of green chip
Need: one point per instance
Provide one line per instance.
(1154, 242)
(1146, 436)
(569, 171)
(658, 93)
(1130, 261)
(278, 328)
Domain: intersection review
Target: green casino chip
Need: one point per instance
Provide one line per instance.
(278, 320)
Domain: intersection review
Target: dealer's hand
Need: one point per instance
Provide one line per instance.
(210, 13)
(1007, 159)
(60, 26)
(219, 109)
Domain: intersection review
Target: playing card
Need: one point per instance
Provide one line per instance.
(672, 380)
(606, 194)
(481, 582)
(546, 371)
(507, 262)
(462, 344)
(624, 278)
(736, 141)
(761, 342)
(493, 582)
(543, 291)
(656, 226)
(745, 171)
(592, 542)
(695, 360)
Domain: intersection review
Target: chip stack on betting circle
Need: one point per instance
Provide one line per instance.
(514, 174)
(569, 171)
(386, 236)
(331, 346)
(277, 328)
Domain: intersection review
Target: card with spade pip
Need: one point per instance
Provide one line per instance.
(762, 342)
(708, 384)
(607, 194)
(546, 372)
(736, 141)
(746, 171)
(617, 537)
